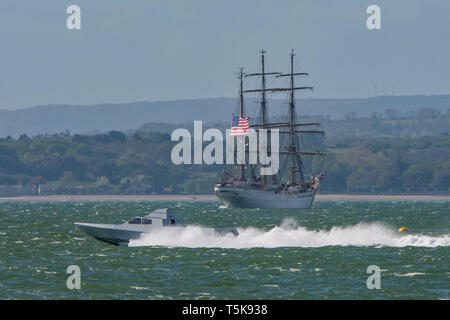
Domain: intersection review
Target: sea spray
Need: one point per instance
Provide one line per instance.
(289, 234)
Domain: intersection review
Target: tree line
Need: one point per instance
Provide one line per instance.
(140, 163)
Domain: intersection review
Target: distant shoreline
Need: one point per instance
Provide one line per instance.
(177, 197)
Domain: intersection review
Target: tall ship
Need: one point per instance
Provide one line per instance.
(301, 167)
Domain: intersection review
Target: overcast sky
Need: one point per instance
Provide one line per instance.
(166, 50)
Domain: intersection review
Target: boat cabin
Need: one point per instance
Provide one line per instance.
(159, 217)
(139, 220)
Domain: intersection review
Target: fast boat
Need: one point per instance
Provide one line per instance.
(121, 234)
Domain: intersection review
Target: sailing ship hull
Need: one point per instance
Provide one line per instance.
(250, 198)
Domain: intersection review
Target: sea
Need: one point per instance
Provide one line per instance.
(335, 250)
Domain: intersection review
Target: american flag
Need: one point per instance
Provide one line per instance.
(239, 126)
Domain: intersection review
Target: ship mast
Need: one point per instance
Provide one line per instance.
(263, 96)
(263, 102)
(263, 87)
(292, 107)
(241, 107)
(292, 132)
(291, 125)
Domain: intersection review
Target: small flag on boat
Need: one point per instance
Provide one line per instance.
(239, 126)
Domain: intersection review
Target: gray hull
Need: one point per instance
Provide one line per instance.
(118, 236)
(108, 234)
(250, 198)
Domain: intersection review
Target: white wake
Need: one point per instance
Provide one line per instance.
(288, 234)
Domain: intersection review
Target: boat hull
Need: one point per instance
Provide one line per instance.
(250, 198)
(109, 234)
(120, 235)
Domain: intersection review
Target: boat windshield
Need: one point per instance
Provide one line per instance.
(135, 221)
(146, 221)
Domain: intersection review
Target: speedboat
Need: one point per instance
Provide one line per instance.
(121, 234)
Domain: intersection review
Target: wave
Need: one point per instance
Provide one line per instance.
(288, 234)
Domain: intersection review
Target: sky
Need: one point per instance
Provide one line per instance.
(172, 50)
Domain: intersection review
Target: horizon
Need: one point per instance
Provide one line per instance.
(214, 98)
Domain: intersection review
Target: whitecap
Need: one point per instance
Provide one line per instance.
(409, 274)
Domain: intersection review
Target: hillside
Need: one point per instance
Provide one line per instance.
(122, 117)
(423, 122)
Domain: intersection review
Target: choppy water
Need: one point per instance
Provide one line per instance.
(280, 254)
